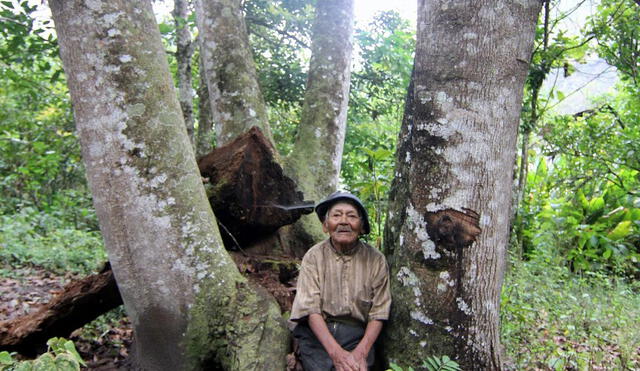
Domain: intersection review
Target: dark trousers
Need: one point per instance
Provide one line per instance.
(313, 355)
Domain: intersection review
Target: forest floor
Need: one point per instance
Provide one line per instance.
(104, 344)
(549, 321)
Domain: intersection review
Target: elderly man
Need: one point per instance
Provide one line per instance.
(343, 291)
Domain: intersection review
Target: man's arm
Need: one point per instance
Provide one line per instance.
(342, 360)
(370, 335)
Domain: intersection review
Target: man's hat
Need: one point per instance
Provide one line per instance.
(335, 197)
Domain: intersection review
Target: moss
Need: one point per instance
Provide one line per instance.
(236, 326)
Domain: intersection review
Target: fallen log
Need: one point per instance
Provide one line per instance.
(78, 304)
(248, 191)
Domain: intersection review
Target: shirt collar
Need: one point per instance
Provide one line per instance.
(349, 252)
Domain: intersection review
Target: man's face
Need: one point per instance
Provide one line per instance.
(343, 224)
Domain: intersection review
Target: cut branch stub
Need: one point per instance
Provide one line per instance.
(248, 191)
(453, 229)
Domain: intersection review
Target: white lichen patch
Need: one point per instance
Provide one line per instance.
(407, 277)
(110, 19)
(446, 281)
(470, 36)
(463, 306)
(417, 222)
(421, 317)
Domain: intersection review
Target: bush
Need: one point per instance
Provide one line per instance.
(33, 238)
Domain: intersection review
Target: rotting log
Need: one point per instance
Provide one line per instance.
(79, 303)
(248, 191)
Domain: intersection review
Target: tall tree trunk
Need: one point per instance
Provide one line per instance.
(528, 126)
(236, 100)
(206, 134)
(184, 52)
(189, 305)
(317, 153)
(448, 221)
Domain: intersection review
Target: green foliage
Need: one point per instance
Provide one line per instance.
(616, 28)
(581, 203)
(39, 154)
(553, 319)
(33, 238)
(378, 90)
(61, 355)
(432, 363)
(280, 36)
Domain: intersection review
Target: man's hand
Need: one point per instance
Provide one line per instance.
(361, 358)
(347, 361)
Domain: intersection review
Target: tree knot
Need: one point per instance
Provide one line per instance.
(452, 228)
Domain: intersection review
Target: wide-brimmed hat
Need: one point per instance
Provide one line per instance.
(335, 197)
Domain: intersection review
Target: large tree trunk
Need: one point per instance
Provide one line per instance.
(184, 52)
(236, 100)
(315, 160)
(189, 305)
(448, 221)
(206, 133)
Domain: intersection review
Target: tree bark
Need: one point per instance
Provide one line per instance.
(236, 100)
(447, 227)
(184, 52)
(189, 305)
(315, 160)
(206, 133)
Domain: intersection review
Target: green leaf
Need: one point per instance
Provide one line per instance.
(583, 200)
(622, 230)
(596, 205)
(71, 349)
(5, 358)
(45, 362)
(67, 362)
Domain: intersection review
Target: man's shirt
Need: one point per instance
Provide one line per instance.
(352, 284)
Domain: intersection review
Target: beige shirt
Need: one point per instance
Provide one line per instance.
(353, 284)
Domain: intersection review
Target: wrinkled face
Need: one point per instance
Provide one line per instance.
(343, 223)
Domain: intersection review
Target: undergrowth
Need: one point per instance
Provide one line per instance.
(553, 319)
(31, 238)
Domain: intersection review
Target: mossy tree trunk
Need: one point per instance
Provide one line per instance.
(206, 133)
(184, 52)
(236, 100)
(447, 229)
(189, 305)
(315, 160)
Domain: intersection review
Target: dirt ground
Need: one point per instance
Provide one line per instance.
(103, 344)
